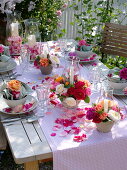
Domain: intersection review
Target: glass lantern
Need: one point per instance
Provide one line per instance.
(32, 37)
(14, 32)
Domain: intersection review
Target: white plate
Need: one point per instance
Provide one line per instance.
(3, 105)
(90, 61)
(11, 66)
(119, 92)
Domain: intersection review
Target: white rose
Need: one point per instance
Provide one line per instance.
(70, 101)
(60, 88)
(54, 59)
(113, 115)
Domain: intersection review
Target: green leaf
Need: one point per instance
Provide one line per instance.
(87, 99)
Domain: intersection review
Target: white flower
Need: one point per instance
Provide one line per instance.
(54, 59)
(60, 89)
(70, 101)
(113, 115)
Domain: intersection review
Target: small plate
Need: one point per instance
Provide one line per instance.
(11, 66)
(3, 105)
(119, 92)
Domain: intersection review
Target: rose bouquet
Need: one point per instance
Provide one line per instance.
(106, 112)
(46, 62)
(71, 94)
(14, 93)
(83, 46)
(118, 78)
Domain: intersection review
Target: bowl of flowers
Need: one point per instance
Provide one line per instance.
(46, 63)
(3, 58)
(14, 93)
(117, 78)
(83, 49)
(71, 91)
(104, 114)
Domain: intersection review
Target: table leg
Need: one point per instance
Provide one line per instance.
(31, 165)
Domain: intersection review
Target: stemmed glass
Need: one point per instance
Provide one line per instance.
(42, 95)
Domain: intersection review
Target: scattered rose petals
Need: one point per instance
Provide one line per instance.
(53, 134)
(48, 113)
(64, 133)
(80, 138)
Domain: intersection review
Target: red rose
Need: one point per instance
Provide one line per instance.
(79, 85)
(96, 118)
(70, 91)
(79, 94)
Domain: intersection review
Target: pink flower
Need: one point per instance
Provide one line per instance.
(79, 84)
(59, 12)
(65, 5)
(88, 91)
(79, 94)
(1, 49)
(82, 42)
(123, 73)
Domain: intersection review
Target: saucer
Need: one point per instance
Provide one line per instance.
(90, 61)
(119, 92)
(3, 105)
(11, 66)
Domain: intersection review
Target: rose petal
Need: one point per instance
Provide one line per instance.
(53, 134)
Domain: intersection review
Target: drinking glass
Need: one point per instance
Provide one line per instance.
(42, 95)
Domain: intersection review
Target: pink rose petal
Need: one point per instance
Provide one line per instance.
(53, 134)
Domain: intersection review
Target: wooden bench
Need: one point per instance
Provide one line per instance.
(3, 141)
(114, 41)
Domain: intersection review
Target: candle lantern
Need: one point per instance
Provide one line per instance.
(14, 33)
(32, 37)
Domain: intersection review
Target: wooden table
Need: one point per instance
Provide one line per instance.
(28, 143)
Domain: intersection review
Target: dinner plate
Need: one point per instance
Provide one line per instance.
(30, 99)
(11, 66)
(90, 61)
(119, 92)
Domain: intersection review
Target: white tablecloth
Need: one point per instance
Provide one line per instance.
(102, 151)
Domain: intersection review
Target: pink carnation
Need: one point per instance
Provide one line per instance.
(82, 42)
(123, 73)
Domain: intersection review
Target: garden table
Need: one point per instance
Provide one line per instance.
(27, 140)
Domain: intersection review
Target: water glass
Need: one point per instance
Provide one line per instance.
(42, 95)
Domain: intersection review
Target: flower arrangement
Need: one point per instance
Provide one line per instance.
(46, 60)
(117, 73)
(83, 46)
(14, 90)
(68, 93)
(3, 58)
(104, 111)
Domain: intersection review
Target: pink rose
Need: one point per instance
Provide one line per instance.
(59, 12)
(65, 5)
(82, 42)
(88, 91)
(1, 49)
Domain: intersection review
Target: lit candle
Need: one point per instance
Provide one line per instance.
(14, 29)
(106, 105)
(31, 40)
(71, 75)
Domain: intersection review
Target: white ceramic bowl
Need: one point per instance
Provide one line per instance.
(13, 103)
(83, 55)
(3, 64)
(117, 86)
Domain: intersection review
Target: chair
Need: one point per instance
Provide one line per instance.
(114, 41)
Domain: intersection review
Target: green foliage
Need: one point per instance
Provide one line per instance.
(93, 16)
(45, 12)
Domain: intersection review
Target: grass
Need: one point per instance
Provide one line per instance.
(7, 162)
